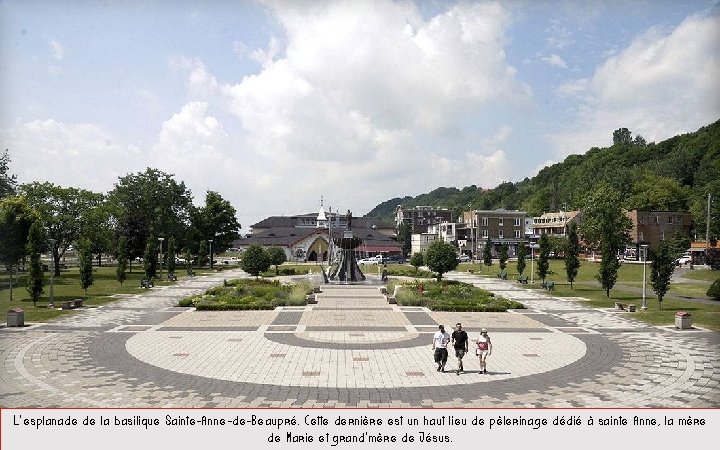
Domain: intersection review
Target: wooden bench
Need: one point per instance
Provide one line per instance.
(311, 300)
(523, 279)
(391, 299)
(502, 275)
(72, 304)
(624, 307)
(549, 285)
(146, 283)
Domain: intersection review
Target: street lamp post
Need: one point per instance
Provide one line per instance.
(532, 263)
(52, 273)
(211, 255)
(161, 255)
(644, 248)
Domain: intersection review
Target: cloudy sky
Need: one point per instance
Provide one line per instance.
(275, 103)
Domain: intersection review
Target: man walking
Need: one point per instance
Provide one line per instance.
(440, 342)
(460, 342)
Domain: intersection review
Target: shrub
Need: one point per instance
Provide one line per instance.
(714, 291)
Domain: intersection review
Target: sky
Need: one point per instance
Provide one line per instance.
(275, 104)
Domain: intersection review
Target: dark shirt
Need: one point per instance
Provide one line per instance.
(460, 338)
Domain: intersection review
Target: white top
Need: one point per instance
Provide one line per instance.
(441, 339)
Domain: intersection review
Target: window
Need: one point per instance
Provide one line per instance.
(642, 220)
(517, 222)
(485, 221)
(485, 233)
(670, 219)
(657, 219)
(517, 233)
(500, 234)
(641, 236)
(500, 222)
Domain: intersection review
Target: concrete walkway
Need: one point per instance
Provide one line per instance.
(352, 349)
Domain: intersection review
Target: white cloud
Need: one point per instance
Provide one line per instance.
(658, 86)
(58, 50)
(66, 153)
(555, 60)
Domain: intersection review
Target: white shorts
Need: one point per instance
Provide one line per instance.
(482, 353)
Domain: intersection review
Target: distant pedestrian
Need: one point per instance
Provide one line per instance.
(460, 343)
(484, 349)
(384, 273)
(440, 342)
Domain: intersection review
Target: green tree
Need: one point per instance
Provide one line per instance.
(96, 226)
(606, 225)
(622, 136)
(150, 259)
(712, 258)
(63, 211)
(122, 260)
(203, 254)
(521, 257)
(653, 192)
(16, 218)
(277, 257)
(440, 257)
(85, 259)
(417, 260)
(714, 290)
(487, 253)
(503, 256)
(661, 270)
(150, 203)
(404, 237)
(215, 220)
(255, 260)
(608, 270)
(543, 264)
(35, 284)
(572, 254)
(7, 182)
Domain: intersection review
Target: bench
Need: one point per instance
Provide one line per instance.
(391, 299)
(146, 283)
(171, 276)
(502, 275)
(311, 300)
(72, 304)
(78, 302)
(624, 307)
(549, 285)
(523, 279)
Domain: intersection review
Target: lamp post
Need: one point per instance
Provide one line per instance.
(161, 255)
(644, 249)
(532, 263)
(211, 255)
(52, 273)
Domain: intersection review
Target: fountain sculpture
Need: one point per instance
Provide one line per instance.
(347, 268)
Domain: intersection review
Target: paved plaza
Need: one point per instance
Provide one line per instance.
(352, 349)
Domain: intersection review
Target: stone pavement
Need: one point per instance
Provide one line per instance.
(352, 349)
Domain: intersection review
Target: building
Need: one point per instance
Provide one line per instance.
(308, 237)
(554, 223)
(421, 218)
(421, 241)
(651, 227)
(501, 226)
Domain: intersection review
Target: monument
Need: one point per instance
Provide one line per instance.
(347, 268)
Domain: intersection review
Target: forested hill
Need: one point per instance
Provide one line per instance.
(675, 174)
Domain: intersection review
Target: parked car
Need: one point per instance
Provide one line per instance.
(393, 260)
(463, 258)
(180, 261)
(683, 260)
(371, 261)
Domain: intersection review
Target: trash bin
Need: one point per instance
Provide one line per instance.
(683, 320)
(16, 318)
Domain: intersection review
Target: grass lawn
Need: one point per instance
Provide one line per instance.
(67, 287)
(630, 276)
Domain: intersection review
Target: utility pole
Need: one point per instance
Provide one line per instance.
(707, 225)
